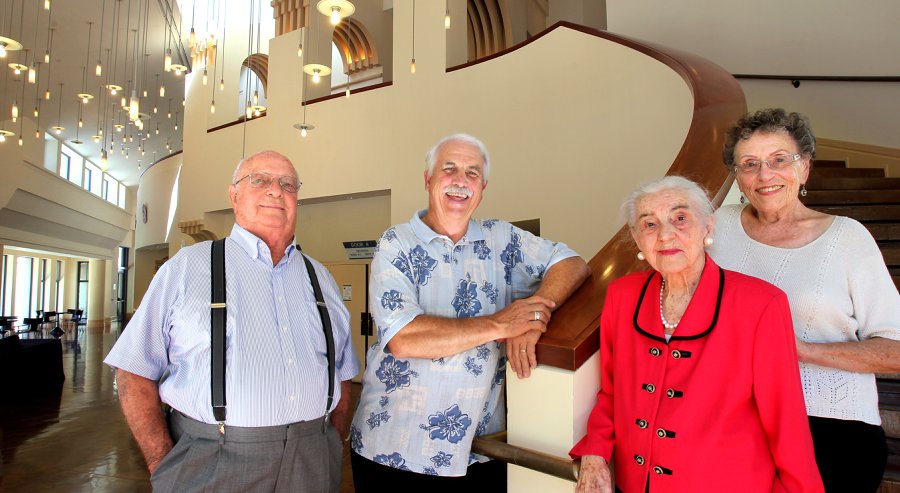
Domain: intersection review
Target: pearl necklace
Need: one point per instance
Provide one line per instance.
(662, 316)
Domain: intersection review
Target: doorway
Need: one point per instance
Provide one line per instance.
(353, 283)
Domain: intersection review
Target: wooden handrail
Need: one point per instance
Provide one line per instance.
(572, 335)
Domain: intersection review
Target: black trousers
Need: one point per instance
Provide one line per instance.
(851, 455)
(370, 476)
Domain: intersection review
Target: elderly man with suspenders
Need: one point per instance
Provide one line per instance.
(248, 342)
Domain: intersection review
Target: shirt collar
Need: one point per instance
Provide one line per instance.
(254, 246)
(426, 235)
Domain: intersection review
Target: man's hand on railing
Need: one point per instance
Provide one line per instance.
(594, 477)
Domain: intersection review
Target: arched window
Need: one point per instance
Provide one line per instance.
(353, 55)
(253, 83)
(487, 27)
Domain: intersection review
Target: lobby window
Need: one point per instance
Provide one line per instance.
(121, 202)
(24, 266)
(110, 189)
(42, 285)
(93, 178)
(81, 289)
(70, 165)
(3, 297)
(59, 285)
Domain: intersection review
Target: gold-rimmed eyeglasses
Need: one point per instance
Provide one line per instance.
(777, 162)
(260, 179)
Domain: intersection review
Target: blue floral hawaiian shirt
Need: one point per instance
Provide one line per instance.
(421, 415)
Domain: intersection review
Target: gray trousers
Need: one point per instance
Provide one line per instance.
(302, 457)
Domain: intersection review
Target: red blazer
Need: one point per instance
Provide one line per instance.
(719, 408)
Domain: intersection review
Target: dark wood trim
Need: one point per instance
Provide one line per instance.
(573, 333)
(237, 122)
(158, 160)
(352, 92)
(823, 78)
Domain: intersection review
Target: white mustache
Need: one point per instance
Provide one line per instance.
(458, 190)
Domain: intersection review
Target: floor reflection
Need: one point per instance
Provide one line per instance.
(78, 439)
(75, 439)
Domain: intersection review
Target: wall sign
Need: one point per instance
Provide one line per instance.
(360, 249)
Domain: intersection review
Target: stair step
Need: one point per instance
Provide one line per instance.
(841, 197)
(847, 172)
(896, 281)
(890, 421)
(829, 163)
(884, 232)
(819, 183)
(891, 253)
(863, 213)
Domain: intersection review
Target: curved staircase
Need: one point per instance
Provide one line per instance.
(865, 194)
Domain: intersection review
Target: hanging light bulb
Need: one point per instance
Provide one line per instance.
(3, 136)
(303, 132)
(256, 98)
(98, 70)
(104, 161)
(3, 51)
(157, 129)
(57, 129)
(80, 123)
(37, 134)
(46, 4)
(204, 77)
(299, 49)
(412, 66)
(134, 107)
(139, 161)
(47, 94)
(162, 90)
(15, 111)
(249, 111)
(315, 77)
(192, 39)
(155, 109)
(335, 15)
(21, 141)
(32, 74)
(96, 138)
(84, 100)
(47, 56)
(255, 112)
(145, 93)
(347, 91)
(447, 18)
(167, 61)
(16, 68)
(212, 106)
(123, 103)
(222, 84)
(36, 112)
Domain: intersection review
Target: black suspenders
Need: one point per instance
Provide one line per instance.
(217, 334)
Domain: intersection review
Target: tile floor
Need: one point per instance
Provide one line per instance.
(78, 440)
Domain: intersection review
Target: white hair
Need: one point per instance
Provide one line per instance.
(431, 155)
(237, 169)
(696, 195)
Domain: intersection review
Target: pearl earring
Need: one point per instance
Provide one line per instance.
(640, 256)
(708, 241)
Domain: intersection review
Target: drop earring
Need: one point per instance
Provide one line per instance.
(743, 199)
(803, 191)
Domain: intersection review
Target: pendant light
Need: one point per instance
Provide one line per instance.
(412, 64)
(335, 10)
(84, 95)
(58, 128)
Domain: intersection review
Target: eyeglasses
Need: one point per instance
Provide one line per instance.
(259, 179)
(776, 163)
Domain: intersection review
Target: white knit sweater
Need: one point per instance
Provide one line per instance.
(839, 290)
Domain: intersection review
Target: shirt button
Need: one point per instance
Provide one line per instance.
(655, 351)
(650, 388)
(658, 470)
(676, 354)
(661, 433)
(642, 423)
(639, 460)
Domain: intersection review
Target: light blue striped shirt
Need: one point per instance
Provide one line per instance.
(418, 414)
(276, 366)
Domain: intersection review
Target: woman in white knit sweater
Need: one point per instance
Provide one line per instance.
(845, 308)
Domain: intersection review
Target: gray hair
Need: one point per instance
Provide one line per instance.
(766, 121)
(431, 156)
(269, 153)
(696, 195)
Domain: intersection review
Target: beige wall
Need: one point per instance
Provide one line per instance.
(155, 191)
(542, 168)
(813, 38)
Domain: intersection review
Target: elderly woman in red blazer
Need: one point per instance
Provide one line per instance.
(700, 386)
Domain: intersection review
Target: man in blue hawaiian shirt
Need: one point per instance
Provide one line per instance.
(447, 291)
